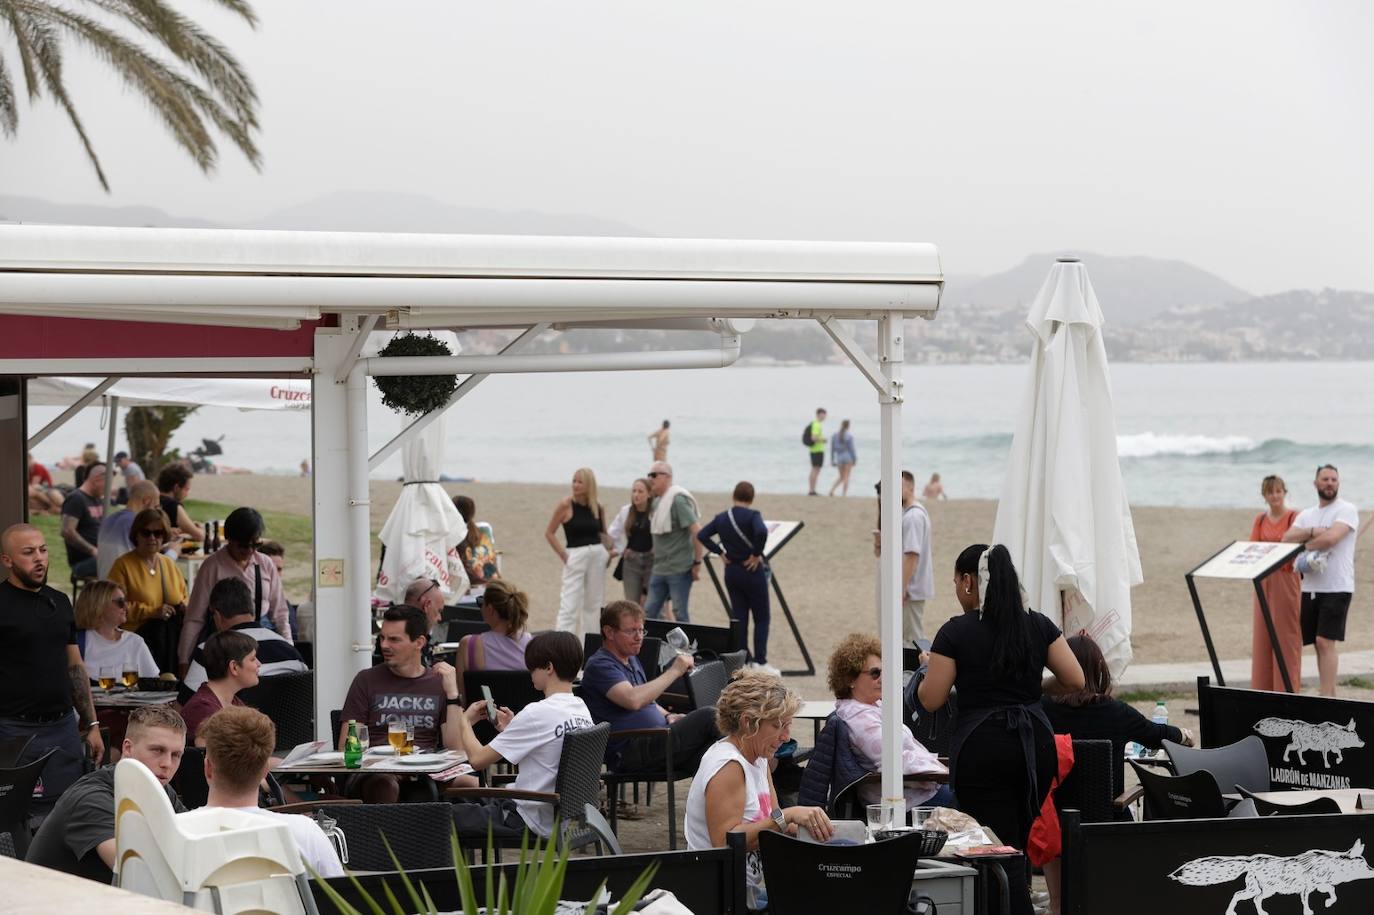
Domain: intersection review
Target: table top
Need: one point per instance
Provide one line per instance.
(379, 762)
(121, 698)
(1348, 798)
(816, 708)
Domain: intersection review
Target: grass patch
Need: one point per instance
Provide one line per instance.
(1358, 682)
(1150, 695)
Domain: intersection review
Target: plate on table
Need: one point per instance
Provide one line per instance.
(328, 758)
(420, 759)
(385, 749)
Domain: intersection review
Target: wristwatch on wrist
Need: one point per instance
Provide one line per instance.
(779, 819)
(456, 700)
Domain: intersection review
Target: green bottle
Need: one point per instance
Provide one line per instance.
(353, 748)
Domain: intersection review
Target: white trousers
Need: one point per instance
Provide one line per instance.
(584, 589)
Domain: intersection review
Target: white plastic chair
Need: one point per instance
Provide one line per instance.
(211, 859)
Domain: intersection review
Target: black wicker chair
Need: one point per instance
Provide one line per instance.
(289, 700)
(16, 793)
(577, 785)
(1090, 786)
(800, 874)
(418, 833)
(733, 661)
(616, 779)
(704, 684)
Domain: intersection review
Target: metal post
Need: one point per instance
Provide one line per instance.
(109, 457)
(890, 585)
(358, 581)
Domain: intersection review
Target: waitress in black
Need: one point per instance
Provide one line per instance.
(586, 547)
(1002, 759)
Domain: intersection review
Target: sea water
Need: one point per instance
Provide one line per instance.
(1188, 434)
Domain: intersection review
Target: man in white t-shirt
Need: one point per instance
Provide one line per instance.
(238, 744)
(532, 740)
(1329, 527)
(917, 569)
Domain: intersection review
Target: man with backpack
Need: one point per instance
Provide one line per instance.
(814, 440)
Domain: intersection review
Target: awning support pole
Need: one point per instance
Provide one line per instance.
(358, 578)
(61, 419)
(359, 340)
(465, 387)
(109, 457)
(890, 585)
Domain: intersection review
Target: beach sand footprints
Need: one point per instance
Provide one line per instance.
(1326, 737)
(1269, 875)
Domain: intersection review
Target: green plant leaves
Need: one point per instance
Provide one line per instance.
(415, 394)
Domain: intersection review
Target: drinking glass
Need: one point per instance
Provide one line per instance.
(396, 735)
(920, 815)
(364, 738)
(410, 738)
(130, 679)
(107, 676)
(879, 818)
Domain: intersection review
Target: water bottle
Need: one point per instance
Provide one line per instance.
(1161, 715)
(353, 747)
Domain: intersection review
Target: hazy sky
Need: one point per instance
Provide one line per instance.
(1234, 135)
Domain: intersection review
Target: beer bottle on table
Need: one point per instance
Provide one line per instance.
(353, 748)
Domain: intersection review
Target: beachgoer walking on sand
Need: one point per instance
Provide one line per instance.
(814, 439)
(658, 441)
(843, 457)
(584, 556)
(1328, 531)
(934, 489)
(1283, 593)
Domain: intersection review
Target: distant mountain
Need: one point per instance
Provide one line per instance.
(1131, 289)
(14, 208)
(357, 211)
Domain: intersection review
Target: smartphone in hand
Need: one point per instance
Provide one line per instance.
(491, 703)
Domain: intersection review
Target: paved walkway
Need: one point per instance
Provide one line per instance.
(1236, 672)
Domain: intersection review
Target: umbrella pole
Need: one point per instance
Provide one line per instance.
(109, 457)
(890, 585)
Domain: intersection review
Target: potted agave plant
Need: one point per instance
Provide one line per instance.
(535, 890)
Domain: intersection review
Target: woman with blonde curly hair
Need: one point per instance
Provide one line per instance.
(733, 790)
(855, 677)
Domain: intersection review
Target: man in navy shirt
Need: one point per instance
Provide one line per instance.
(615, 689)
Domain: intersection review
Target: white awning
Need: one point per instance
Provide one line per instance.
(238, 393)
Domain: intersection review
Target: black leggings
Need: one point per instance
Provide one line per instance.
(991, 785)
(749, 591)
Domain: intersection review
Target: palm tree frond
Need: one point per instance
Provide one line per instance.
(21, 29)
(223, 73)
(9, 111)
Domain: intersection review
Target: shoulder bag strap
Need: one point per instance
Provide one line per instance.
(257, 590)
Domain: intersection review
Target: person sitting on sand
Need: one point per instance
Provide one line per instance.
(934, 489)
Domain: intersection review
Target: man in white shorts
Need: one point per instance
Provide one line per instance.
(1328, 527)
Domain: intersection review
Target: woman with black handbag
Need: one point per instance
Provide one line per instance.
(743, 536)
(634, 543)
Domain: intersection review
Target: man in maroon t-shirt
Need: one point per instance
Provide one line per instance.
(401, 688)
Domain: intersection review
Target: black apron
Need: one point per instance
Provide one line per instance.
(1020, 718)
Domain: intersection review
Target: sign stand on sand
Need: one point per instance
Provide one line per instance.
(1244, 560)
(780, 533)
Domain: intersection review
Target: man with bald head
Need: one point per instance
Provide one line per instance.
(45, 692)
(82, 512)
(674, 521)
(114, 530)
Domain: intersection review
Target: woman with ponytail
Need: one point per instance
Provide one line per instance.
(506, 609)
(1002, 758)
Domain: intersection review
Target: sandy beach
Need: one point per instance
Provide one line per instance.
(827, 570)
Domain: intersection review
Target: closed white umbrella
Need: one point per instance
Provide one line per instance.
(424, 528)
(1063, 514)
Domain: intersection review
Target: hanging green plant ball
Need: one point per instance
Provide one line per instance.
(416, 394)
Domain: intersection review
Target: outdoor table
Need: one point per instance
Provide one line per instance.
(131, 699)
(1348, 798)
(375, 762)
(817, 710)
(987, 866)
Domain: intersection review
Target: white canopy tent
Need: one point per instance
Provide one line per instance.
(359, 281)
(236, 393)
(1063, 514)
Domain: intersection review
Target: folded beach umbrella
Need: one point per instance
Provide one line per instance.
(1063, 514)
(424, 529)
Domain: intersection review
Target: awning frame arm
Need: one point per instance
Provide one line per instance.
(61, 419)
(889, 390)
(359, 340)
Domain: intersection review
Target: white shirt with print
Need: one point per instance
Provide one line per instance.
(534, 741)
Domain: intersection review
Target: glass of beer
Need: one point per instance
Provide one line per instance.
(130, 679)
(410, 739)
(106, 677)
(396, 735)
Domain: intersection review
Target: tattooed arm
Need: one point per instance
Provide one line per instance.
(85, 705)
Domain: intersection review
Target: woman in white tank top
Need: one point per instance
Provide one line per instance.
(732, 790)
